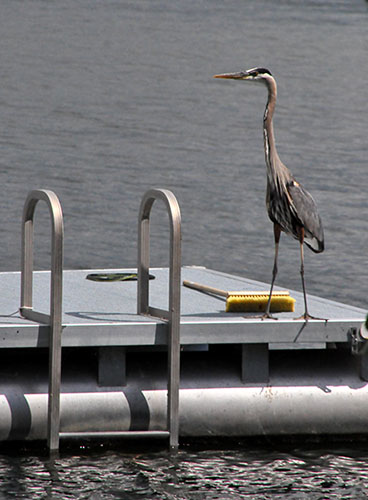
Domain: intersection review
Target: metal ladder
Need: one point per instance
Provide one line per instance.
(26, 302)
(54, 319)
(172, 315)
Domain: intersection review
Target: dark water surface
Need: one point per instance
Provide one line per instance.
(249, 472)
(101, 100)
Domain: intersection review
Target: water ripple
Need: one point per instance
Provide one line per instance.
(190, 474)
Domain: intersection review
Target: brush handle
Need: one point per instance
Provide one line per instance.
(205, 288)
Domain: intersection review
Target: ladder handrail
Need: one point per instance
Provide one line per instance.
(54, 319)
(172, 315)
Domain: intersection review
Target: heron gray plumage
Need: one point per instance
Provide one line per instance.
(290, 207)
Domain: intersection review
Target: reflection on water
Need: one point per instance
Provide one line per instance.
(242, 472)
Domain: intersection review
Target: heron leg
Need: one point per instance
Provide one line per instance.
(277, 234)
(301, 241)
(306, 316)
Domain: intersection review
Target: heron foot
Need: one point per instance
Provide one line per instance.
(264, 316)
(268, 316)
(307, 316)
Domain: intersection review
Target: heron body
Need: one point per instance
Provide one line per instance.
(290, 207)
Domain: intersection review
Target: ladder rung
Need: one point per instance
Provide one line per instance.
(111, 434)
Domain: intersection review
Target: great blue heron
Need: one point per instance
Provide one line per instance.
(290, 207)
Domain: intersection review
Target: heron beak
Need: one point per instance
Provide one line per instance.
(233, 76)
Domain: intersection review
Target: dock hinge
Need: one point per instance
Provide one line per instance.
(359, 347)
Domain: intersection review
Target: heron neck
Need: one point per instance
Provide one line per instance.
(268, 134)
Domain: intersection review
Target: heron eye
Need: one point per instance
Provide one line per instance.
(254, 73)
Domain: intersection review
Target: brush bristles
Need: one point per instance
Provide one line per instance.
(258, 303)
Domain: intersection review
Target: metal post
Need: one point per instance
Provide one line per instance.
(173, 314)
(54, 319)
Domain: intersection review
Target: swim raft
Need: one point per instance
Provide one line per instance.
(84, 358)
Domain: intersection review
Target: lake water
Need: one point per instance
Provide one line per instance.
(103, 100)
(242, 472)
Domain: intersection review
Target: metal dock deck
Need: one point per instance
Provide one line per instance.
(105, 314)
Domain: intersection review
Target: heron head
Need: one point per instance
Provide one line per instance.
(253, 75)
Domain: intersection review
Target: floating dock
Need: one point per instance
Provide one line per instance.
(230, 383)
(238, 375)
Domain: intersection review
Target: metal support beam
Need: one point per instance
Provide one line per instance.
(255, 363)
(26, 303)
(173, 314)
(112, 366)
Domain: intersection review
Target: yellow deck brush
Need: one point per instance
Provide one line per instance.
(245, 301)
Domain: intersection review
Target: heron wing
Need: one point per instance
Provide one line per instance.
(305, 209)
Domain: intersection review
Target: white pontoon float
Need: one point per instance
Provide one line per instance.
(224, 374)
